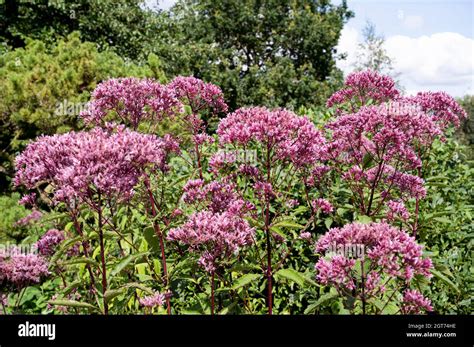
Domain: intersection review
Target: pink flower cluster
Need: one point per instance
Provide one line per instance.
(155, 300)
(291, 137)
(323, 205)
(132, 100)
(382, 133)
(441, 106)
(47, 244)
(28, 199)
(360, 87)
(415, 303)
(214, 235)
(215, 196)
(34, 216)
(22, 269)
(376, 148)
(389, 250)
(397, 209)
(79, 163)
(199, 95)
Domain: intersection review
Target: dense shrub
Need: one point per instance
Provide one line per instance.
(44, 88)
(256, 218)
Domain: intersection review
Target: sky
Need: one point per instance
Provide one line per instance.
(430, 41)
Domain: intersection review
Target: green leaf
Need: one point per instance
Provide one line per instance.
(245, 279)
(226, 310)
(73, 303)
(63, 248)
(72, 286)
(328, 222)
(125, 262)
(324, 298)
(292, 275)
(112, 293)
(445, 279)
(79, 261)
(288, 224)
(152, 239)
(364, 219)
(139, 286)
(443, 220)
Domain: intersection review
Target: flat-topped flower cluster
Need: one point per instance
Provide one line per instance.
(375, 145)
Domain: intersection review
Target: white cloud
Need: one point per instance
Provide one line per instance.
(441, 61)
(348, 43)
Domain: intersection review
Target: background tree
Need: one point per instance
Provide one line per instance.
(272, 52)
(371, 53)
(44, 87)
(126, 25)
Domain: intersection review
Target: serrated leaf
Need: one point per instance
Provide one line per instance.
(245, 279)
(288, 224)
(445, 279)
(324, 298)
(125, 262)
(73, 303)
(77, 261)
(292, 275)
(63, 248)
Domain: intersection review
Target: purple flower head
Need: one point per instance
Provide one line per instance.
(199, 95)
(396, 209)
(441, 107)
(415, 303)
(391, 251)
(47, 244)
(28, 200)
(361, 86)
(110, 162)
(155, 300)
(34, 216)
(132, 100)
(22, 270)
(323, 205)
(214, 236)
(293, 138)
(305, 235)
(216, 196)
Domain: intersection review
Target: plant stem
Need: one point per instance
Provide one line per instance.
(18, 298)
(198, 158)
(372, 190)
(363, 286)
(3, 307)
(268, 243)
(102, 256)
(212, 293)
(159, 234)
(417, 209)
(85, 246)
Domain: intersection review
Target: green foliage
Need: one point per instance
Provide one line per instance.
(11, 212)
(123, 25)
(44, 88)
(447, 226)
(466, 132)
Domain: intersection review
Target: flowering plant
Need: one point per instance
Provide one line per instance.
(373, 280)
(232, 221)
